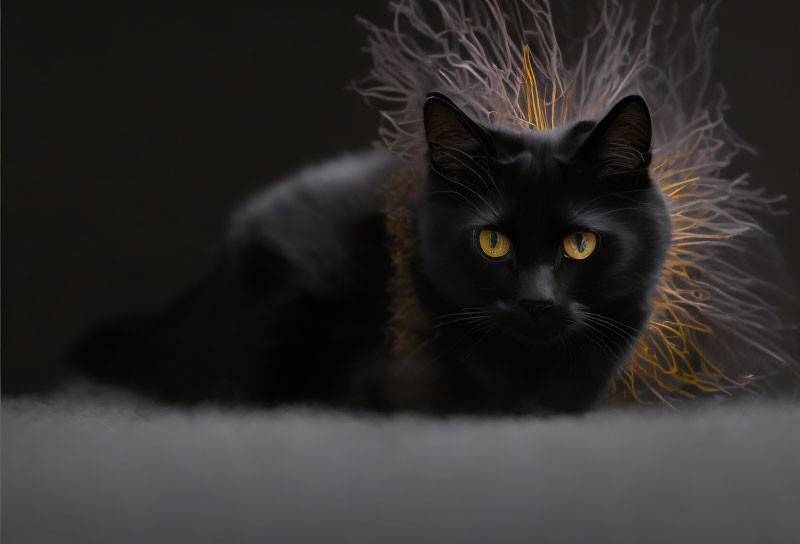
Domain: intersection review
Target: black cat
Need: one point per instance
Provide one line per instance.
(532, 260)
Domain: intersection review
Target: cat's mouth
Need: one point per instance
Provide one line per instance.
(545, 335)
(537, 332)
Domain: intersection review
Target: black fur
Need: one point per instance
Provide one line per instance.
(296, 309)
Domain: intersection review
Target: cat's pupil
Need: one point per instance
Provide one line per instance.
(493, 239)
(580, 242)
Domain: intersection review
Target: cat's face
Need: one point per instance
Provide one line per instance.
(538, 235)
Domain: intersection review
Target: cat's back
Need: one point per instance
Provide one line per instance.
(304, 259)
(325, 220)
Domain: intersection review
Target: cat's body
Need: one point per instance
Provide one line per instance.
(297, 308)
(290, 306)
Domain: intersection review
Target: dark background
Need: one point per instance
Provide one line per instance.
(129, 132)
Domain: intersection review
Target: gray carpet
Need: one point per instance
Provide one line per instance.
(108, 469)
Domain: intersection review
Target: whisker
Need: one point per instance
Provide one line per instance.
(460, 320)
(603, 332)
(599, 342)
(613, 321)
(615, 210)
(622, 333)
(471, 190)
(463, 311)
(620, 194)
(480, 212)
(476, 163)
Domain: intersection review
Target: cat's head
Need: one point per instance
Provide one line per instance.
(537, 235)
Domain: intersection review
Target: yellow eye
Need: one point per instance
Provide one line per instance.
(494, 244)
(580, 245)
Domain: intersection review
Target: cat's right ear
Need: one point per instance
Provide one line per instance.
(454, 139)
(620, 142)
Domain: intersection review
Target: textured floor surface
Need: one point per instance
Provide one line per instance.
(107, 469)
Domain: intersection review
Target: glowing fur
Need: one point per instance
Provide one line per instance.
(712, 328)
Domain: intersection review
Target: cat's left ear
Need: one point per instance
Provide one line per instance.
(453, 138)
(620, 143)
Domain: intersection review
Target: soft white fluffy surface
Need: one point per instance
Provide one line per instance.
(108, 469)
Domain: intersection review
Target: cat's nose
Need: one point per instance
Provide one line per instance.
(536, 308)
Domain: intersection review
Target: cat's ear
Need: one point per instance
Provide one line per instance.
(453, 138)
(620, 143)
